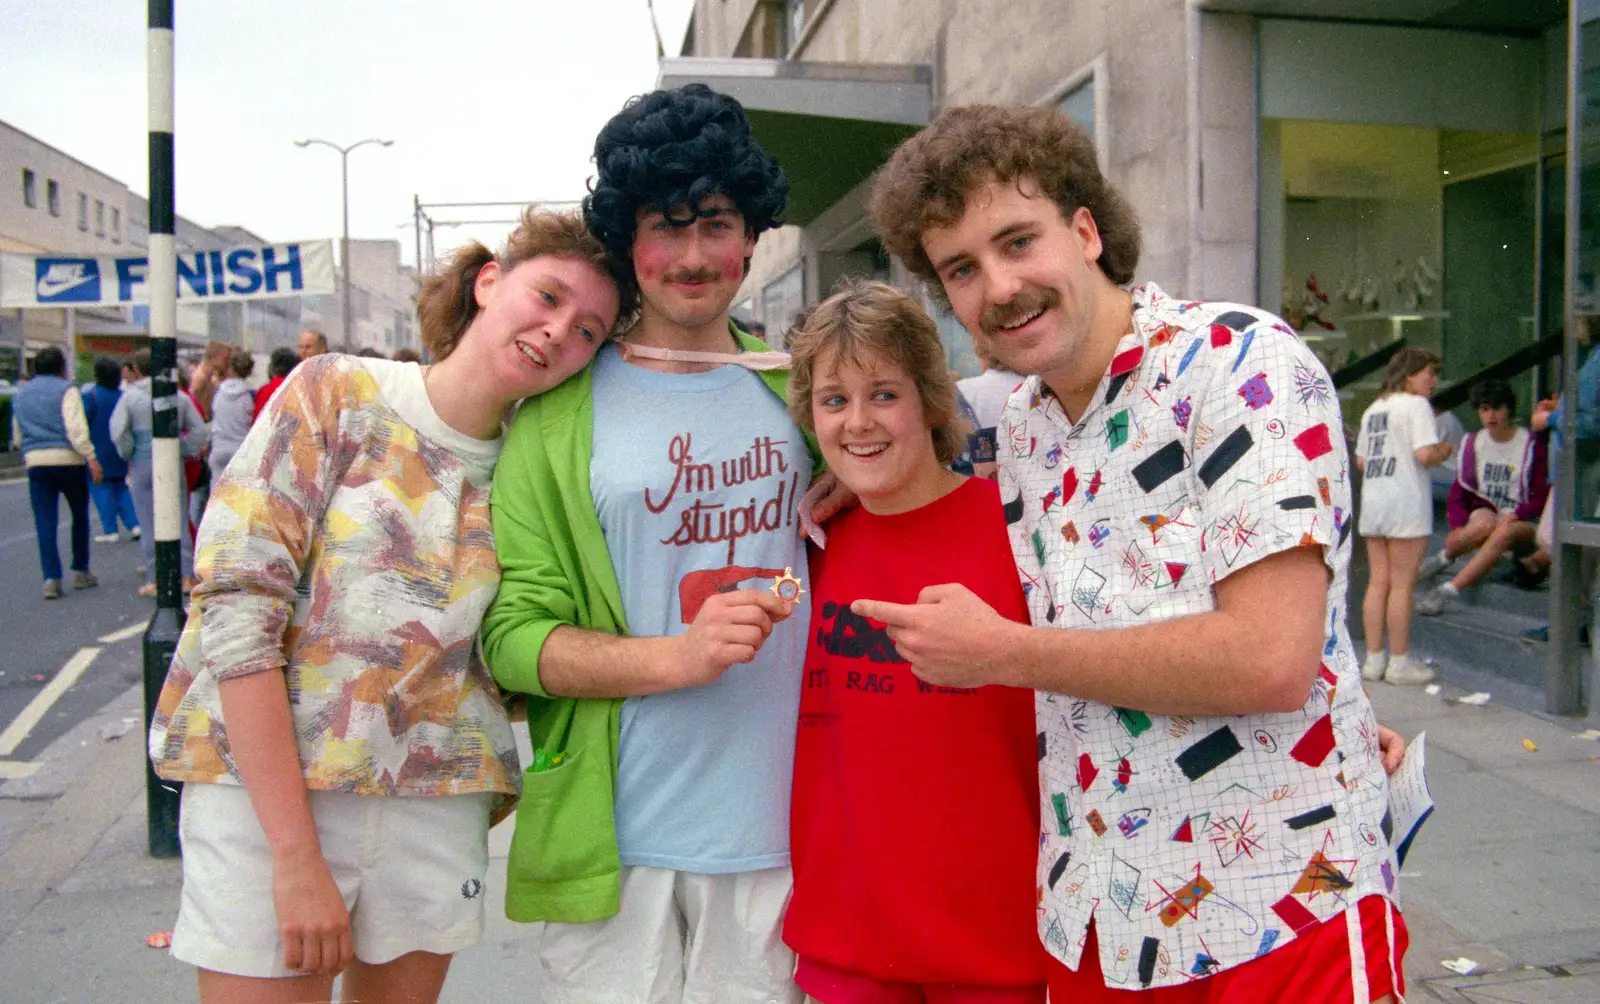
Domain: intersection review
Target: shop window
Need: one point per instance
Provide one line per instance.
(1078, 96)
(52, 192)
(1377, 234)
(30, 189)
(1078, 105)
(794, 23)
(957, 343)
(781, 302)
(744, 311)
(1581, 402)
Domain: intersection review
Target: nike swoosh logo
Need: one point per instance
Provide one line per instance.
(50, 286)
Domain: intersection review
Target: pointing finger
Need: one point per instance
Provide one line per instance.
(892, 614)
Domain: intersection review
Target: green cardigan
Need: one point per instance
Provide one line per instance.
(555, 570)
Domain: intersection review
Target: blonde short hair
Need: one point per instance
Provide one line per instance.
(875, 320)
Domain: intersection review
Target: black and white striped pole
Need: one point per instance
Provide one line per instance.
(161, 637)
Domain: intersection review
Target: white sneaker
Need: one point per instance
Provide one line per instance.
(106, 538)
(1432, 565)
(1434, 602)
(1405, 671)
(133, 534)
(1373, 668)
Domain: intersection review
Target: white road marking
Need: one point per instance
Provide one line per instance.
(123, 634)
(24, 723)
(17, 770)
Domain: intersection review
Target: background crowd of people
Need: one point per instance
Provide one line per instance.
(91, 444)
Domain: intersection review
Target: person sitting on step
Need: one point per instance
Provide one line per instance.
(1496, 500)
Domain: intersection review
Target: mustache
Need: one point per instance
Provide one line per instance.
(1029, 301)
(694, 275)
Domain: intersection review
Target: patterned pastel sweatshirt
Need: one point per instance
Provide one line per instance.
(348, 547)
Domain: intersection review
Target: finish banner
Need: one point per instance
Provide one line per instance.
(251, 272)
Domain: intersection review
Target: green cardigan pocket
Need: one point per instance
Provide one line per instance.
(563, 872)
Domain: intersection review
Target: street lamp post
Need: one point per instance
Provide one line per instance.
(344, 189)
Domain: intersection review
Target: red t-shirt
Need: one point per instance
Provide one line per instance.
(915, 821)
(264, 394)
(192, 466)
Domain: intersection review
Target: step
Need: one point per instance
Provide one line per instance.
(1495, 591)
(1523, 691)
(1484, 639)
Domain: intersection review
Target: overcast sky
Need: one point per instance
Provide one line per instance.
(486, 100)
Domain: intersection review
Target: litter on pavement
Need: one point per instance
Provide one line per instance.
(1476, 700)
(1432, 690)
(1530, 745)
(163, 939)
(117, 729)
(1463, 966)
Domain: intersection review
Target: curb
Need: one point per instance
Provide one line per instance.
(80, 794)
(48, 852)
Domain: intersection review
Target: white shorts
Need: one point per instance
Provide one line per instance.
(411, 869)
(1389, 510)
(680, 937)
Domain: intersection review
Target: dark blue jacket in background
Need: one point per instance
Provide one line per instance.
(97, 405)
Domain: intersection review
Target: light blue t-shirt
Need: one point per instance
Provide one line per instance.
(696, 478)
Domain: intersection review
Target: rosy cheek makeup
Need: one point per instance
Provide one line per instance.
(731, 262)
(650, 262)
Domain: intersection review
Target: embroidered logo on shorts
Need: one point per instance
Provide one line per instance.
(471, 888)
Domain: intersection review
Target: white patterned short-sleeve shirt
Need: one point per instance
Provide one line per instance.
(1195, 843)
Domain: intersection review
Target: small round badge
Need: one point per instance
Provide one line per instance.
(787, 586)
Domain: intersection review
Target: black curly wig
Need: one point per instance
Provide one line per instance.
(670, 149)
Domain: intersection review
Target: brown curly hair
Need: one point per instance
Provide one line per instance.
(927, 180)
(447, 303)
(873, 320)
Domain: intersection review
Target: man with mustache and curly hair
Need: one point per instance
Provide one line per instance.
(1177, 491)
(643, 515)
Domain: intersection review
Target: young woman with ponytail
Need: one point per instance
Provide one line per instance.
(330, 655)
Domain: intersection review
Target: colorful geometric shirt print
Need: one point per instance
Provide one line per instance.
(349, 547)
(1196, 843)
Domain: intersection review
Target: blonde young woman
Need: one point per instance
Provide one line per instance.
(346, 748)
(1399, 439)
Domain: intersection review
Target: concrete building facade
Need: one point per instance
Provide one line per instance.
(1275, 150)
(51, 200)
(53, 203)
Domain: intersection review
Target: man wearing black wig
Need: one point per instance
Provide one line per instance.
(645, 518)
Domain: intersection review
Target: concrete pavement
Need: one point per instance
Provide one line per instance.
(1504, 873)
(42, 635)
(1505, 870)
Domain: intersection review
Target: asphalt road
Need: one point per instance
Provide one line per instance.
(39, 637)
